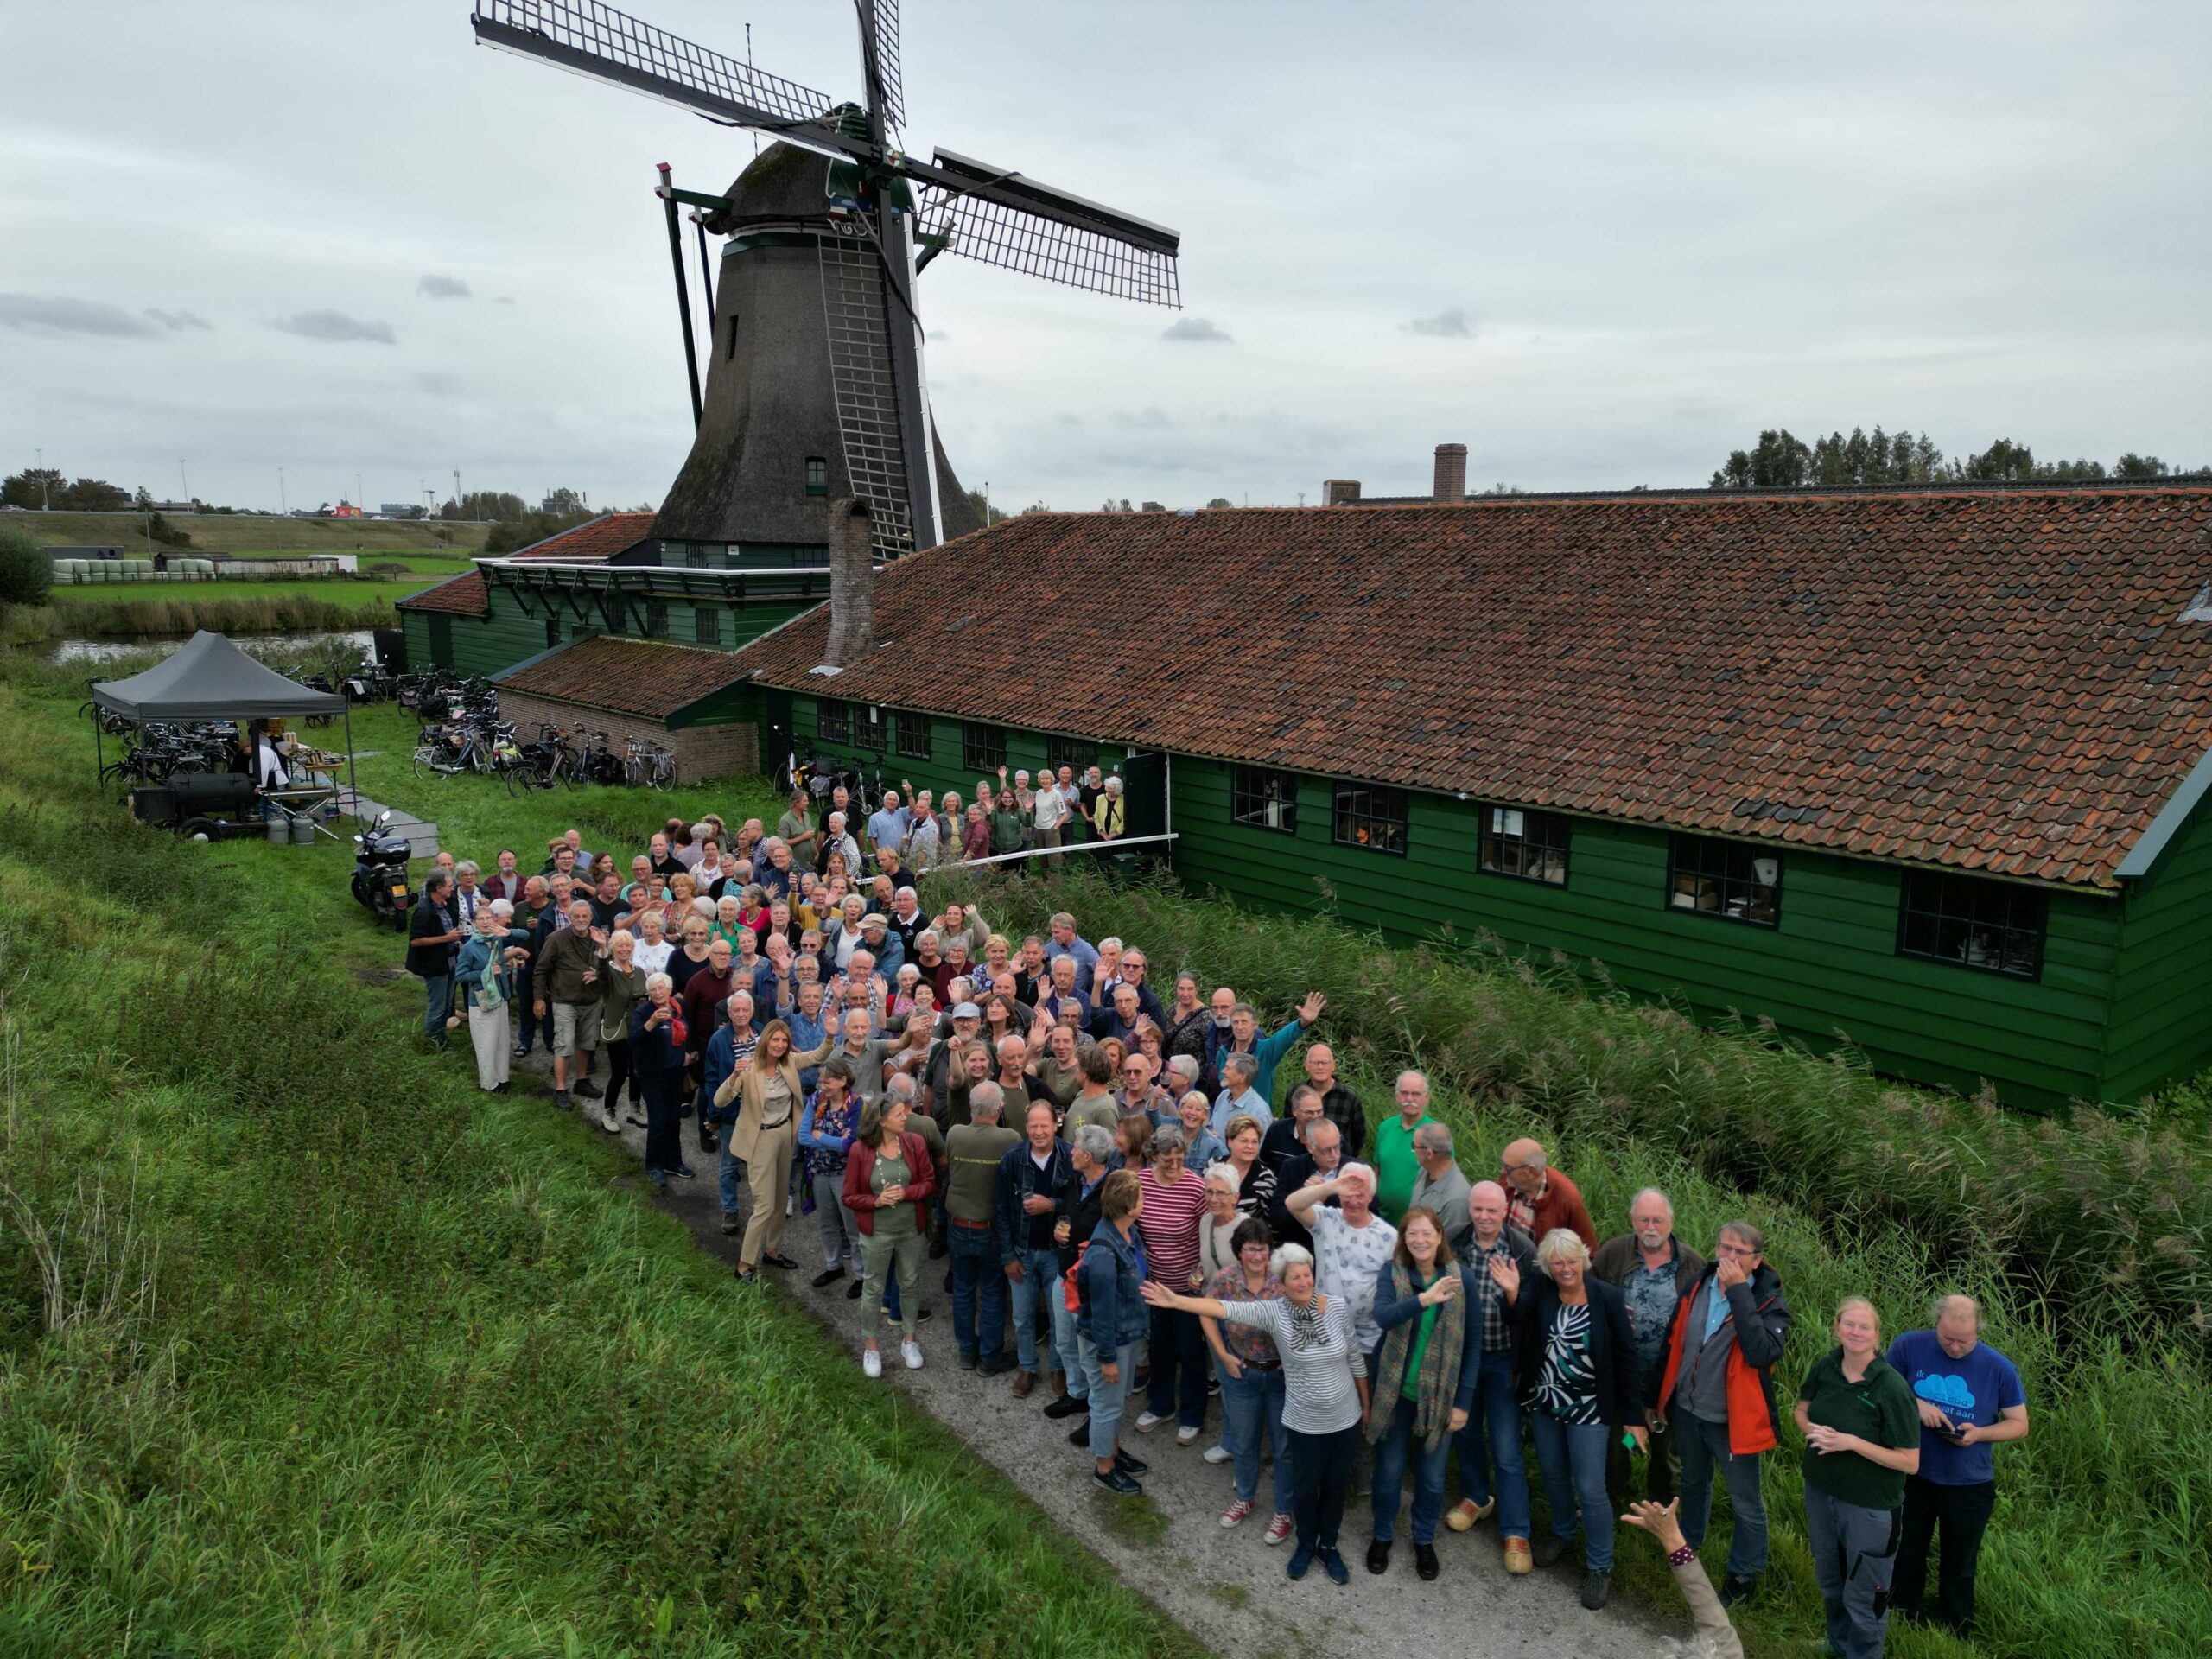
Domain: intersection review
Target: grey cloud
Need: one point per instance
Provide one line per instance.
(435, 287)
(1151, 418)
(504, 299)
(174, 321)
(53, 314)
(335, 326)
(1195, 328)
(1452, 324)
(437, 383)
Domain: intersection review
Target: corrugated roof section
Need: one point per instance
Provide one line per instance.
(1995, 681)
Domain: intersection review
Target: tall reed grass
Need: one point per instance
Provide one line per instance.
(2105, 1220)
(2101, 1545)
(127, 618)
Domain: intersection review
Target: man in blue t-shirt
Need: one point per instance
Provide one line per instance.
(1970, 1398)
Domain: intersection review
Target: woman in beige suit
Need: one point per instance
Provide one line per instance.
(765, 1136)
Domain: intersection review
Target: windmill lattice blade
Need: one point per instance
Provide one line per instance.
(1016, 240)
(861, 380)
(596, 40)
(887, 69)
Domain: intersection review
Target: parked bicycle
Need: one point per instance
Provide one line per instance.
(647, 765)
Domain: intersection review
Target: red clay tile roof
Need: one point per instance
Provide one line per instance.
(627, 676)
(596, 539)
(1996, 681)
(462, 595)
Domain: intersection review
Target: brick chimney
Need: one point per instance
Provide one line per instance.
(1336, 491)
(852, 583)
(1450, 472)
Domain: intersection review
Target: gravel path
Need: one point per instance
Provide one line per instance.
(1226, 1587)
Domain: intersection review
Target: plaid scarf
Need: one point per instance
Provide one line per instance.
(1438, 1377)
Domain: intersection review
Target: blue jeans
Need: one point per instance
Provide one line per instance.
(437, 991)
(1392, 1453)
(1041, 1276)
(1704, 1445)
(1067, 1344)
(726, 1171)
(1572, 1455)
(975, 1263)
(529, 1028)
(1106, 1398)
(1493, 1437)
(1251, 1406)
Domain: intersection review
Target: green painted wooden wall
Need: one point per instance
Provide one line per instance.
(2161, 1025)
(486, 645)
(1830, 969)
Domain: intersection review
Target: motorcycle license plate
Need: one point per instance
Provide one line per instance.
(399, 892)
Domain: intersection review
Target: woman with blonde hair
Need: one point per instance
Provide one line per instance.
(676, 909)
(1578, 1370)
(1861, 1425)
(769, 1096)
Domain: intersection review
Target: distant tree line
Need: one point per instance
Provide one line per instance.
(1781, 460)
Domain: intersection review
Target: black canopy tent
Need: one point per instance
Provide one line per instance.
(209, 677)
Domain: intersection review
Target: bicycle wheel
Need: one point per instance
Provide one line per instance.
(422, 767)
(664, 771)
(572, 773)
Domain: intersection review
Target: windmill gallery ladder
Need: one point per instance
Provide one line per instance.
(860, 375)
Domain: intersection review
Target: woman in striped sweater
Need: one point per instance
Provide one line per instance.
(1174, 1198)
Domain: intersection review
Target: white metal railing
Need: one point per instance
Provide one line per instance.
(1115, 845)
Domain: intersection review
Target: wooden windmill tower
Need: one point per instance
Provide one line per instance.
(815, 376)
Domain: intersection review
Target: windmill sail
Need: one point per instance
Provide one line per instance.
(868, 426)
(591, 39)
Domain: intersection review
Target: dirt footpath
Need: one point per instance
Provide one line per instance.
(1225, 1586)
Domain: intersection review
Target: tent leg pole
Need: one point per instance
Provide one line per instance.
(352, 784)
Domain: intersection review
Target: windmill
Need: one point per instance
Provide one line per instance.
(817, 339)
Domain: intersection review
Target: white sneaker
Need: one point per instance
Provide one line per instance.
(1147, 1422)
(911, 1351)
(871, 1362)
(1217, 1453)
(1187, 1435)
(610, 1125)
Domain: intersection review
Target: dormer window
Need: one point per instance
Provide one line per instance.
(817, 475)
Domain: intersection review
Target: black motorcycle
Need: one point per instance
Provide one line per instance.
(381, 872)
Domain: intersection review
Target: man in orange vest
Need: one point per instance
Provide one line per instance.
(1717, 1380)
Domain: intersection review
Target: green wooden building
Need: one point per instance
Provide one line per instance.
(1923, 769)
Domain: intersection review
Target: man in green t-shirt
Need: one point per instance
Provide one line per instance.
(1862, 1438)
(1397, 1166)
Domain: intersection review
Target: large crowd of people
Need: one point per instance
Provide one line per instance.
(1159, 1211)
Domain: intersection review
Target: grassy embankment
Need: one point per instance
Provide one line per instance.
(252, 537)
(2086, 1242)
(2099, 1545)
(307, 1347)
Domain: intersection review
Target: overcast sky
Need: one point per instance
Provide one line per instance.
(1599, 244)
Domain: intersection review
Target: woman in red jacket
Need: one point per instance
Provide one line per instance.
(888, 1184)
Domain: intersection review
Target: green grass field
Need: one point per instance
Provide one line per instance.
(308, 1348)
(372, 1410)
(335, 590)
(221, 533)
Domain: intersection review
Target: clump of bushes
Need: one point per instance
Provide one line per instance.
(26, 573)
